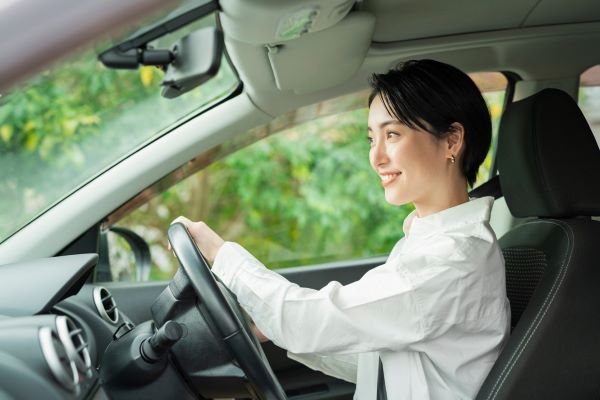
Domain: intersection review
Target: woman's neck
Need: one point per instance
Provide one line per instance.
(442, 199)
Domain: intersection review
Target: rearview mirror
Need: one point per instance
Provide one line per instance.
(196, 59)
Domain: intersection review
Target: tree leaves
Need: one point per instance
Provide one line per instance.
(303, 196)
(67, 124)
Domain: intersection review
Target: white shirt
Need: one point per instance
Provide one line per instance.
(436, 312)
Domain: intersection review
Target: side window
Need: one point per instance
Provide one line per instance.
(493, 86)
(298, 191)
(589, 98)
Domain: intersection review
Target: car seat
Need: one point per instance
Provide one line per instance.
(549, 168)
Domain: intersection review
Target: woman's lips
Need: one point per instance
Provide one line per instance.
(388, 179)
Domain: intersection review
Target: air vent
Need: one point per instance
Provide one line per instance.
(106, 305)
(59, 363)
(72, 339)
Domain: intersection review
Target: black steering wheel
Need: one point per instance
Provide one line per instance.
(234, 331)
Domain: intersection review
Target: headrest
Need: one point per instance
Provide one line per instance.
(548, 159)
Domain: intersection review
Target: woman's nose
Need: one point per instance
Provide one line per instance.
(378, 154)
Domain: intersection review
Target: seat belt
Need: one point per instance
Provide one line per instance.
(490, 188)
(381, 392)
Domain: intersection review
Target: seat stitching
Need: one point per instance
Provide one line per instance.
(537, 320)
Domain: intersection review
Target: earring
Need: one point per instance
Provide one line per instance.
(452, 159)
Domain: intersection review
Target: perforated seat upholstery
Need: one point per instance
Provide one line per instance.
(525, 267)
(549, 166)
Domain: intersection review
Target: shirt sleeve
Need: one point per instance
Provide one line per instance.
(378, 312)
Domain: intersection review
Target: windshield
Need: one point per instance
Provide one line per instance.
(66, 125)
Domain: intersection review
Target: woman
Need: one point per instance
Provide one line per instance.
(436, 313)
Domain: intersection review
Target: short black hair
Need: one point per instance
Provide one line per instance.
(431, 95)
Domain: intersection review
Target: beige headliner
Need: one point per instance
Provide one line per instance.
(541, 40)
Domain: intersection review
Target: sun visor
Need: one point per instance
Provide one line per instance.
(273, 21)
(327, 58)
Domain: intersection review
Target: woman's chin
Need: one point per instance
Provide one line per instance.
(396, 199)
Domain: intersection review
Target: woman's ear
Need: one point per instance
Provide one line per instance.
(455, 139)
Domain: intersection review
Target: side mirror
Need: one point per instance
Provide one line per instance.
(196, 59)
(141, 254)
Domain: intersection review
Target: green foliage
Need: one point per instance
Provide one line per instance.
(69, 123)
(310, 194)
(47, 129)
(304, 196)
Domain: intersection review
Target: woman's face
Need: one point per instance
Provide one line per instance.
(411, 163)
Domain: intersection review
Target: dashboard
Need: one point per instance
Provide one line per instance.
(54, 328)
(62, 337)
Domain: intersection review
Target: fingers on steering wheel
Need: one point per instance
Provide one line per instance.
(185, 222)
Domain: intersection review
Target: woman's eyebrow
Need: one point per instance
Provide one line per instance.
(385, 123)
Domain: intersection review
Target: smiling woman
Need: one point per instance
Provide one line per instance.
(65, 126)
(442, 286)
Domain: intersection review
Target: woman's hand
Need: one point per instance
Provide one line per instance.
(207, 240)
(259, 335)
(209, 243)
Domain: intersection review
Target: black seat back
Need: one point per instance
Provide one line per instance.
(549, 167)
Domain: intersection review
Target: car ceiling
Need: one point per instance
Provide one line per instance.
(355, 39)
(412, 19)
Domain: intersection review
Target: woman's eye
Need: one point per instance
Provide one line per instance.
(391, 135)
(370, 140)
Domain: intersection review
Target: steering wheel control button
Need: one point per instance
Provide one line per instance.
(157, 345)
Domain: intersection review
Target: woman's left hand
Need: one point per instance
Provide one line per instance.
(259, 335)
(207, 240)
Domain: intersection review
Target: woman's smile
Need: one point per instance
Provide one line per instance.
(388, 178)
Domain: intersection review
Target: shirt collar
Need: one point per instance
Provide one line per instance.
(473, 211)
